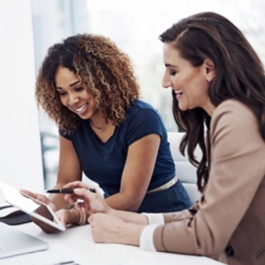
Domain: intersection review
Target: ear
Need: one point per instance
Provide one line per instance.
(209, 69)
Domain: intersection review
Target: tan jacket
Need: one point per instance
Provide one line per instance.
(230, 216)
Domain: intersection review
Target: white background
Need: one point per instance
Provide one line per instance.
(20, 150)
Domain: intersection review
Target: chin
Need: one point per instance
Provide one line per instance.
(183, 108)
(84, 116)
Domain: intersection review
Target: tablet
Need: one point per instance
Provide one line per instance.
(28, 205)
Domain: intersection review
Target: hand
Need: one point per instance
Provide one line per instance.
(42, 210)
(93, 202)
(68, 217)
(107, 228)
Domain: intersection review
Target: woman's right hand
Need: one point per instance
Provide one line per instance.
(92, 201)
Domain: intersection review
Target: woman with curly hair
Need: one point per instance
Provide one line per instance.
(87, 86)
(218, 89)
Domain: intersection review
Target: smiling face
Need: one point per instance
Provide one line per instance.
(74, 95)
(189, 83)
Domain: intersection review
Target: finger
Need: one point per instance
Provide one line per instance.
(72, 198)
(85, 193)
(76, 184)
(79, 184)
(38, 198)
(27, 193)
(90, 219)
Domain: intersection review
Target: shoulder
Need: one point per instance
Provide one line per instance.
(143, 119)
(139, 105)
(234, 114)
(234, 127)
(142, 108)
(75, 132)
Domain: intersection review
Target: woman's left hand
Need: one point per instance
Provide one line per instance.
(107, 228)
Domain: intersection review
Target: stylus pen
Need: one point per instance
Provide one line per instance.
(66, 191)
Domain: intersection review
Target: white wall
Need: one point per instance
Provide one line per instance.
(20, 150)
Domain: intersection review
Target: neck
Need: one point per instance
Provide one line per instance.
(97, 128)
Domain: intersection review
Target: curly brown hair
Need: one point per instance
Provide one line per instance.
(101, 66)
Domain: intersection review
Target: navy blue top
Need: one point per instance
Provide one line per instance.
(104, 162)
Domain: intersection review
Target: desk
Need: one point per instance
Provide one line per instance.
(81, 245)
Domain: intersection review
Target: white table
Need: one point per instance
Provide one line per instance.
(78, 243)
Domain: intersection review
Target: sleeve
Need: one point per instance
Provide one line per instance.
(65, 135)
(146, 238)
(237, 167)
(154, 218)
(144, 122)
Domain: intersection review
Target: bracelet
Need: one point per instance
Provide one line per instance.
(82, 213)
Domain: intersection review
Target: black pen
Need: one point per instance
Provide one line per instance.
(66, 191)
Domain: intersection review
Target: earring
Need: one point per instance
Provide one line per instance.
(208, 78)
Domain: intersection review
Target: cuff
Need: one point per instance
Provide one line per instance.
(146, 238)
(155, 218)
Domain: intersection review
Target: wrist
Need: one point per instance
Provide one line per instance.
(132, 234)
(82, 216)
(74, 216)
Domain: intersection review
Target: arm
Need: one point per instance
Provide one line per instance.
(142, 134)
(95, 203)
(68, 170)
(139, 165)
(137, 173)
(237, 155)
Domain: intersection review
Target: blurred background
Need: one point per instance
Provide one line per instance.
(133, 24)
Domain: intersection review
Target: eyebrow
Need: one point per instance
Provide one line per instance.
(71, 85)
(170, 65)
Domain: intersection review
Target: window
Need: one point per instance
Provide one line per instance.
(135, 26)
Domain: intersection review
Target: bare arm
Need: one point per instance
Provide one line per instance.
(69, 170)
(137, 174)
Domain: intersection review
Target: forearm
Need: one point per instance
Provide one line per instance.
(130, 217)
(124, 202)
(177, 216)
(130, 234)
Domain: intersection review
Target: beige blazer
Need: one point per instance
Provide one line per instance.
(230, 216)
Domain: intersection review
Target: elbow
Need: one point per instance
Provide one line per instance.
(133, 206)
(212, 250)
(213, 253)
(124, 202)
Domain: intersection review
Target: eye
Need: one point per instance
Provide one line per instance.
(172, 72)
(79, 89)
(61, 93)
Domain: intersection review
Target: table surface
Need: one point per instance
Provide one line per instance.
(77, 243)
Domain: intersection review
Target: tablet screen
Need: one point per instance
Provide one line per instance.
(28, 205)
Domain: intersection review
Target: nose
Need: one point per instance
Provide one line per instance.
(72, 99)
(166, 83)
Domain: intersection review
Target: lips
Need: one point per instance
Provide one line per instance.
(81, 109)
(178, 94)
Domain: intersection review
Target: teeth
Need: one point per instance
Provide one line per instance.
(81, 108)
(178, 92)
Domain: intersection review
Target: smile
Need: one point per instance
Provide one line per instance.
(81, 109)
(178, 92)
